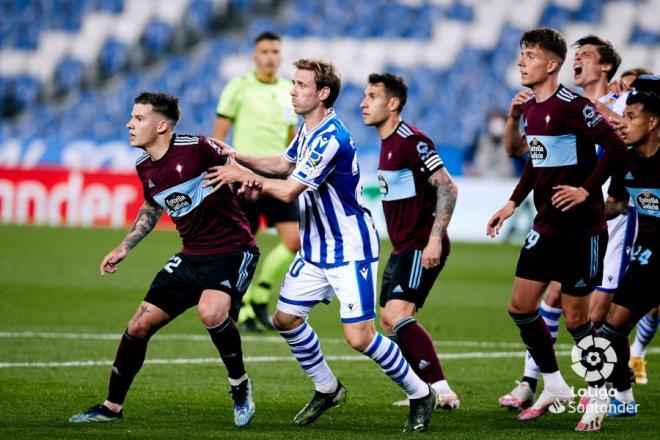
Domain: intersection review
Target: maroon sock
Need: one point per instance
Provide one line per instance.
(129, 360)
(418, 349)
(227, 340)
(536, 336)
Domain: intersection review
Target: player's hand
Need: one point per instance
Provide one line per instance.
(432, 252)
(515, 109)
(618, 123)
(226, 149)
(230, 172)
(566, 197)
(250, 190)
(497, 220)
(618, 87)
(110, 261)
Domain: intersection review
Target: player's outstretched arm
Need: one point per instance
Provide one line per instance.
(144, 223)
(514, 142)
(496, 222)
(272, 166)
(447, 193)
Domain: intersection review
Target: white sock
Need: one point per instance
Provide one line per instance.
(306, 348)
(388, 355)
(441, 386)
(531, 369)
(554, 382)
(624, 396)
(237, 382)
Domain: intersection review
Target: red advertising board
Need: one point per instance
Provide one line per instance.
(57, 197)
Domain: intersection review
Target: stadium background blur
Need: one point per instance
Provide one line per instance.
(69, 70)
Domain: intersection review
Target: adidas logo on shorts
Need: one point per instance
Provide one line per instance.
(226, 283)
(581, 283)
(397, 289)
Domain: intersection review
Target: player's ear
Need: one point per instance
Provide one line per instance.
(324, 93)
(553, 65)
(653, 123)
(394, 103)
(163, 126)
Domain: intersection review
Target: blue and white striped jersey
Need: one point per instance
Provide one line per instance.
(334, 226)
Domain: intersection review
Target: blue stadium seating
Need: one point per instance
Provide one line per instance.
(449, 103)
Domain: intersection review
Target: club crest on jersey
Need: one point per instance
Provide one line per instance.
(648, 201)
(179, 169)
(177, 201)
(537, 150)
(547, 120)
(591, 116)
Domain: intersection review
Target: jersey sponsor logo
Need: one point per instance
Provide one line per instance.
(397, 184)
(591, 116)
(647, 201)
(177, 201)
(553, 151)
(537, 150)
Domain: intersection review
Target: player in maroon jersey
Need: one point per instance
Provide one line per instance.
(418, 199)
(568, 239)
(212, 271)
(636, 295)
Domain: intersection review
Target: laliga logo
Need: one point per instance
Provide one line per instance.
(593, 358)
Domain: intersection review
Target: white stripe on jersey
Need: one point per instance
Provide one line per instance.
(141, 159)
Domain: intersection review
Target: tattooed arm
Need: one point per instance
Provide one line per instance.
(145, 221)
(444, 208)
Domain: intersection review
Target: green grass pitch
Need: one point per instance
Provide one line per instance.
(60, 323)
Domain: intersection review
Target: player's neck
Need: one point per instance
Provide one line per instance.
(387, 127)
(545, 89)
(314, 118)
(159, 147)
(265, 77)
(595, 90)
(648, 148)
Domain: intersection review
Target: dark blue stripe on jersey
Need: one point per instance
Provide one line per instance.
(316, 215)
(334, 224)
(307, 242)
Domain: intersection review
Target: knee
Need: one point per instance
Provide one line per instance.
(139, 329)
(385, 325)
(283, 321)
(517, 308)
(212, 316)
(359, 342)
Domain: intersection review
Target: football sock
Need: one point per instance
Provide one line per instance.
(646, 328)
(387, 354)
(306, 348)
(275, 265)
(418, 349)
(536, 336)
(227, 340)
(620, 376)
(551, 317)
(128, 361)
(531, 381)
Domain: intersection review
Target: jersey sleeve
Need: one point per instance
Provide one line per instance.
(421, 154)
(583, 117)
(211, 153)
(291, 152)
(318, 162)
(229, 101)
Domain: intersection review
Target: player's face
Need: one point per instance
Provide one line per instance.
(533, 63)
(267, 56)
(587, 68)
(375, 105)
(144, 125)
(639, 124)
(305, 97)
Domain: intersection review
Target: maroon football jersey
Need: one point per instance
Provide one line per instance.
(561, 133)
(407, 159)
(208, 223)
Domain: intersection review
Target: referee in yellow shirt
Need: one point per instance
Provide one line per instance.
(257, 106)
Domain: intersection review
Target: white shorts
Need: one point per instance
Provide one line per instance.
(354, 284)
(622, 231)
